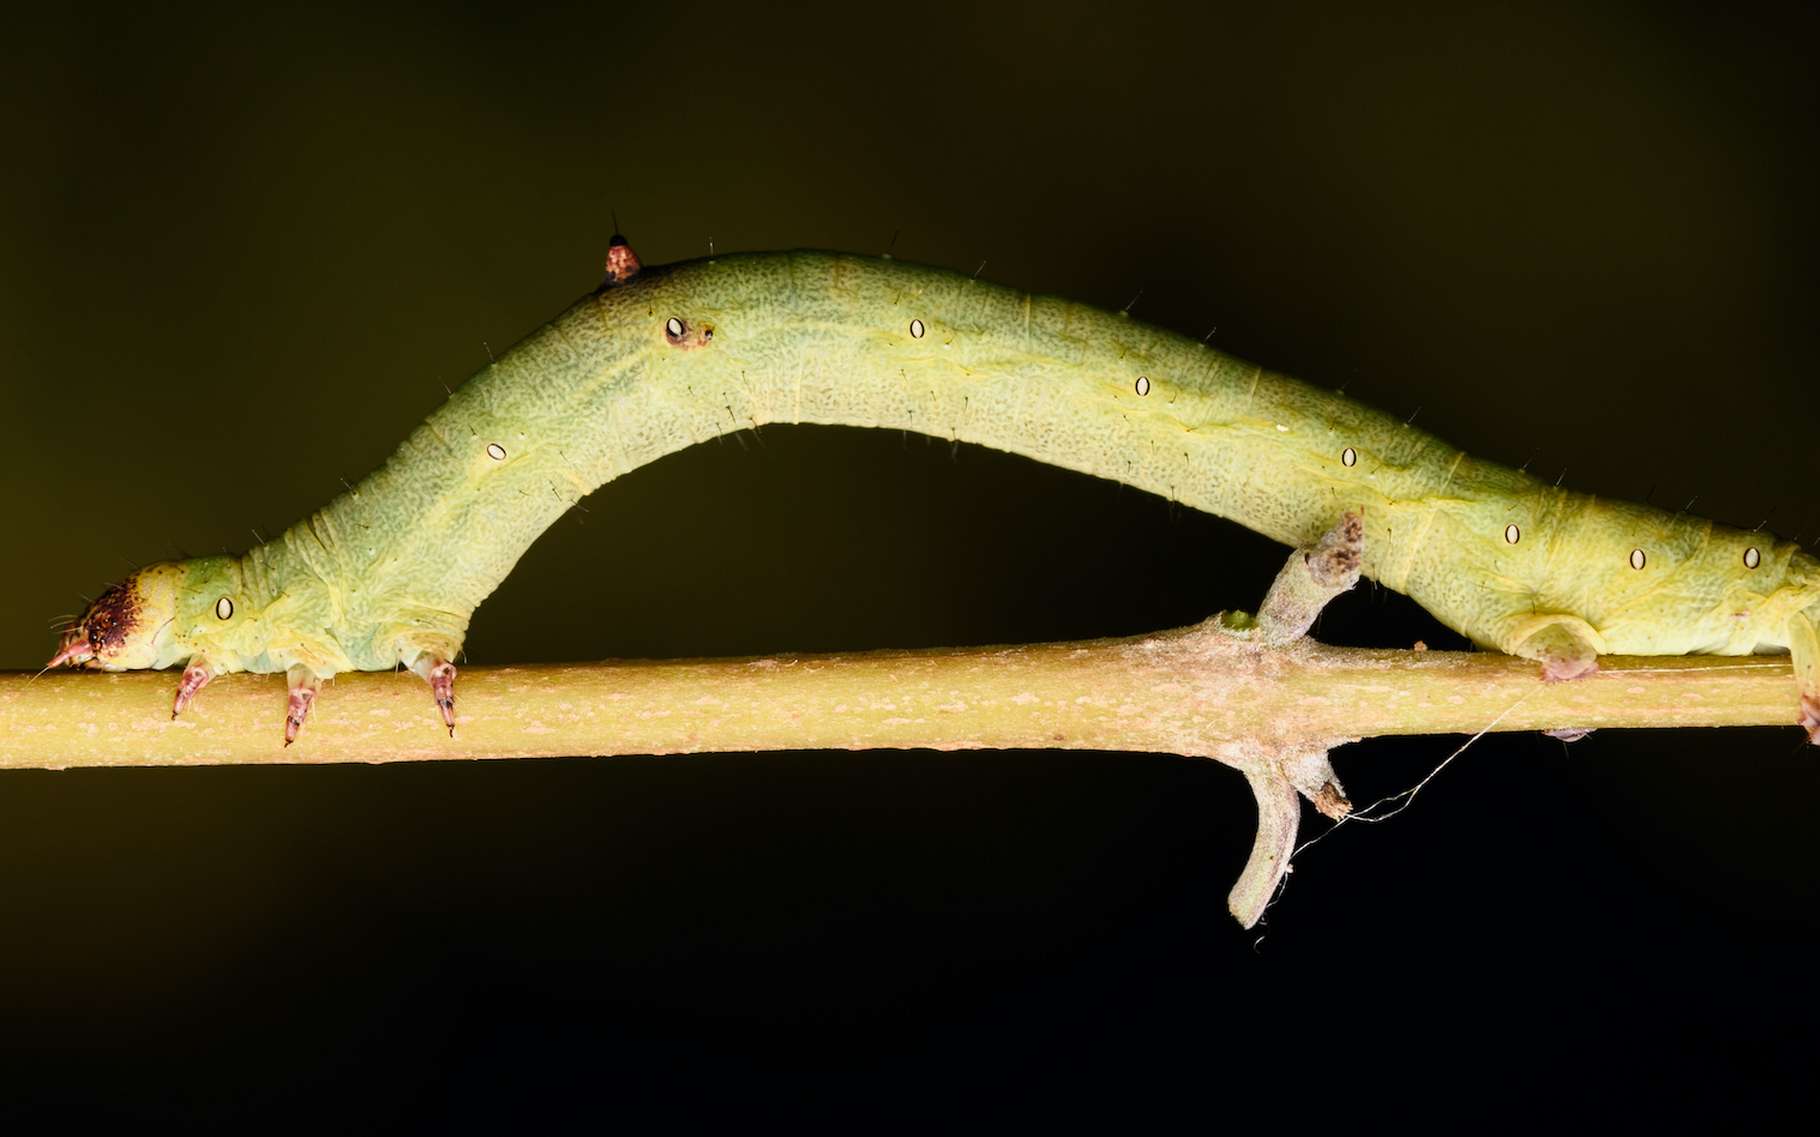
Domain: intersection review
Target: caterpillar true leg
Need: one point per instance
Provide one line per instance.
(440, 674)
(304, 683)
(195, 677)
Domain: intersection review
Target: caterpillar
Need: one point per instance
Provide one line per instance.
(660, 358)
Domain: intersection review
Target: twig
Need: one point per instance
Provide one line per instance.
(1244, 691)
(1169, 693)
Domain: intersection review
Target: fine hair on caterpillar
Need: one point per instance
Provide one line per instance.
(661, 358)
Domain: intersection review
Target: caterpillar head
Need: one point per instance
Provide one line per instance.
(154, 618)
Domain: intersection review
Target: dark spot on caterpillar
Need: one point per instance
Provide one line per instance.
(916, 329)
(1637, 559)
(1143, 385)
(674, 329)
(496, 452)
(1752, 558)
(1349, 457)
(224, 608)
(1512, 534)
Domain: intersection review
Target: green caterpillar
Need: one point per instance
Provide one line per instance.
(656, 360)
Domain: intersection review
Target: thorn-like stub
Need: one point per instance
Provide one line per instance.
(1309, 579)
(1334, 562)
(1278, 817)
(1331, 801)
(1311, 773)
(1279, 780)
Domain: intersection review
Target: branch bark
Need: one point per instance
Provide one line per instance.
(1187, 691)
(1249, 692)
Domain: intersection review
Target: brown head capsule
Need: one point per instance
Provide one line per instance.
(103, 628)
(131, 624)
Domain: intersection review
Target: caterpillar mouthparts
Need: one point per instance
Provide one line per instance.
(74, 650)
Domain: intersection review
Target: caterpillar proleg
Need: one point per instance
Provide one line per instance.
(658, 359)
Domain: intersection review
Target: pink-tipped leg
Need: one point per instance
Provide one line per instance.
(440, 674)
(304, 685)
(1810, 717)
(195, 677)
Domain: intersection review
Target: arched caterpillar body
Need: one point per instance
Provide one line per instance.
(658, 360)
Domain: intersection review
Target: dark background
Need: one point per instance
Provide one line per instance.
(243, 256)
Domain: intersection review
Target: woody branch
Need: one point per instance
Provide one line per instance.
(1253, 693)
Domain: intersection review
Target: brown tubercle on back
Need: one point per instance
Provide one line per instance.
(622, 263)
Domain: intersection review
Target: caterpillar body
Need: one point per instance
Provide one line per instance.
(657, 360)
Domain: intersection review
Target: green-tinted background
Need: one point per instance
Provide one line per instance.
(242, 258)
